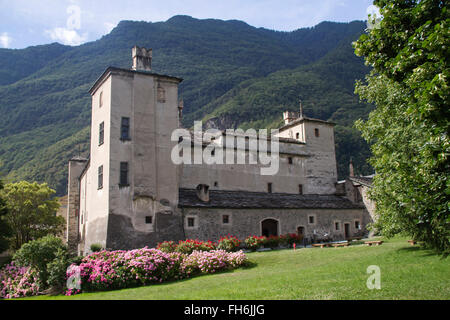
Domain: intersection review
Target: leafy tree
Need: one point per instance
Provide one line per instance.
(5, 230)
(48, 255)
(31, 211)
(409, 129)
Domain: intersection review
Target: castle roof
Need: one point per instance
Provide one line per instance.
(262, 200)
(110, 70)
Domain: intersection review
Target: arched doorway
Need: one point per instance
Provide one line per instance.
(269, 227)
(301, 230)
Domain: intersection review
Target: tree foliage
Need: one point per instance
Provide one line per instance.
(409, 129)
(31, 211)
(5, 230)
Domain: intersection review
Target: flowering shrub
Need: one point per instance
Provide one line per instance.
(107, 270)
(16, 282)
(271, 242)
(293, 238)
(211, 261)
(254, 242)
(167, 246)
(188, 246)
(229, 243)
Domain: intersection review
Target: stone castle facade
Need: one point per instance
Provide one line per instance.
(131, 194)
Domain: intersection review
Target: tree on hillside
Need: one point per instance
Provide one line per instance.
(5, 230)
(409, 129)
(31, 211)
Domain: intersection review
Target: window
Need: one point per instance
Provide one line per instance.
(311, 219)
(216, 184)
(297, 135)
(148, 219)
(300, 189)
(336, 226)
(123, 174)
(316, 132)
(225, 219)
(357, 225)
(290, 160)
(125, 129)
(101, 133)
(269, 187)
(190, 222)
(100, 99)
(100, 177)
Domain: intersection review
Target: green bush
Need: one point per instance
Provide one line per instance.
(39, 253)
(96, 247)
(167, 246)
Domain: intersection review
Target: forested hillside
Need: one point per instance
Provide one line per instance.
(234, 75)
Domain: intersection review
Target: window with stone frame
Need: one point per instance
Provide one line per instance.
(148, 219)
(357, 225)
(269, 187)
(311, 219)
(226, 219)
(337, 226)
(190, 222)
(300, 189)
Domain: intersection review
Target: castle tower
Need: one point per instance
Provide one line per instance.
(131, 181)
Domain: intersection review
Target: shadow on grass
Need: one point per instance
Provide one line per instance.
(425, 252)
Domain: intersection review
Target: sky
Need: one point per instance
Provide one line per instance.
(25, 23)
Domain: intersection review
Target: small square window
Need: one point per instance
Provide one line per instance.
(148, 219)
(336, 226)
(269, 187)
(190, 222)
(357, 225)
(316, 132)
(216, 184)
(311, 219)
(297, 135)
(300, 189)
(225, 219)
(290, 160)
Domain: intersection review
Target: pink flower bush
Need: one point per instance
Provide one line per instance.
(17, 282)
(211, 261)
(107, 270)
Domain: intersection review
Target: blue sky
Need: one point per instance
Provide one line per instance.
(25, 23)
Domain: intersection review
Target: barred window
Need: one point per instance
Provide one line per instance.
(123, 174)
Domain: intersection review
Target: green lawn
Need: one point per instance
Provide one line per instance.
(407, 272)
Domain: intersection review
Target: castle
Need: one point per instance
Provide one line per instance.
(131, 193)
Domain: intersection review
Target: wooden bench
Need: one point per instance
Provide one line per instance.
(412, 242)
(321, 245)
(369, 243)
(343, 244)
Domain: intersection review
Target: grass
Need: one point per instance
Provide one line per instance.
(407, 272)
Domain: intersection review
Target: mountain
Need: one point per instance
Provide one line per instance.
(234, 74)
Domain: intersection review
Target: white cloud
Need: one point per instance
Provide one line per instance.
(5, 40)
(66, 36)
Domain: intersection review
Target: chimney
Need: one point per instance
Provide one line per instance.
(289, 116)
(352, 173)
(203, 192)
(142, 59)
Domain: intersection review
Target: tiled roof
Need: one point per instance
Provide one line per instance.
(366, 181)
(263, 200)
